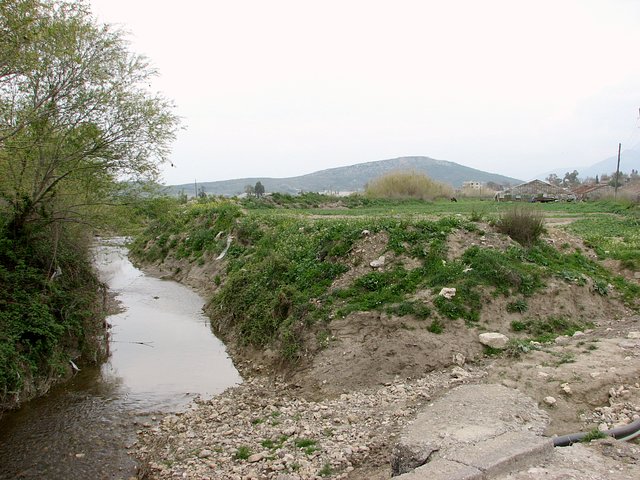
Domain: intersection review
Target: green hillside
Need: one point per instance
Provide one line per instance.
(352, 178)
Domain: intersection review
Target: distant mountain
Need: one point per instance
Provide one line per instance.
(629, 160)
(352, 178)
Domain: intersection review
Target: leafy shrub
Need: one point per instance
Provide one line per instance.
(524, 225)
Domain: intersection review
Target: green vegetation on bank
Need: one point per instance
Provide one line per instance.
(50, 313)
(283, 269)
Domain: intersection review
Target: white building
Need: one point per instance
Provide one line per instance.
(472, 184)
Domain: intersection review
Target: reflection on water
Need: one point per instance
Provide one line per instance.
(162, 355)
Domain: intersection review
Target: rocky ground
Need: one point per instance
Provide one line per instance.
(260, 429)
(342, 413)
(265, 430)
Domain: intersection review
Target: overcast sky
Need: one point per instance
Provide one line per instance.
(285, 87)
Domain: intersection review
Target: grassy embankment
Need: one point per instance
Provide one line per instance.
(288, 251)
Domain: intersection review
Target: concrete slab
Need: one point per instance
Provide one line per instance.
(507, 452)
(443, 470)
(464, 416)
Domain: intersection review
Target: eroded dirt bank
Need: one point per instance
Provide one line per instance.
(337, 413)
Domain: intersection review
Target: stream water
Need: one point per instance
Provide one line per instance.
(163, 354)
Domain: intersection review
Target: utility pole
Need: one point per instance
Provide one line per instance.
(615, 192)
(195, 184)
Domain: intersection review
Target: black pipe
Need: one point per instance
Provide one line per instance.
(625, 432)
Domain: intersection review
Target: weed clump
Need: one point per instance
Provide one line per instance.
(546, 330)
(436, 327)
(519, 306)
(523, 225)
(594, 434)
(242, 453)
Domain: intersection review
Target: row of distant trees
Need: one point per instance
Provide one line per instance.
(571, 179)
(256, 190)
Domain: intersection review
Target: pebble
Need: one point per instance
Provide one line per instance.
(256, 457)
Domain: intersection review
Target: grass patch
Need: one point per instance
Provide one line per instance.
(546, 330)
(306, 444)
(242, 453)
(616, 237)
(417, 309)
(594, 434)
(436, 327)
(274, 444)
(517, 306)
(326, 470)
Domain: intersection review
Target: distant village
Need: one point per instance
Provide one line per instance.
(570, 188)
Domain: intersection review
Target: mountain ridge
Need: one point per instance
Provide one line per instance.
(351, 178)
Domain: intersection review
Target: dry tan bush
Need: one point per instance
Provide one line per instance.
(407, 184)
(524, 225)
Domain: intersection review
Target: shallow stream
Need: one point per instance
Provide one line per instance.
(163, 355)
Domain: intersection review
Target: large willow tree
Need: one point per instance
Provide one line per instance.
(77, 116)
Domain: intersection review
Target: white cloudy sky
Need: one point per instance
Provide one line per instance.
(286, 87)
